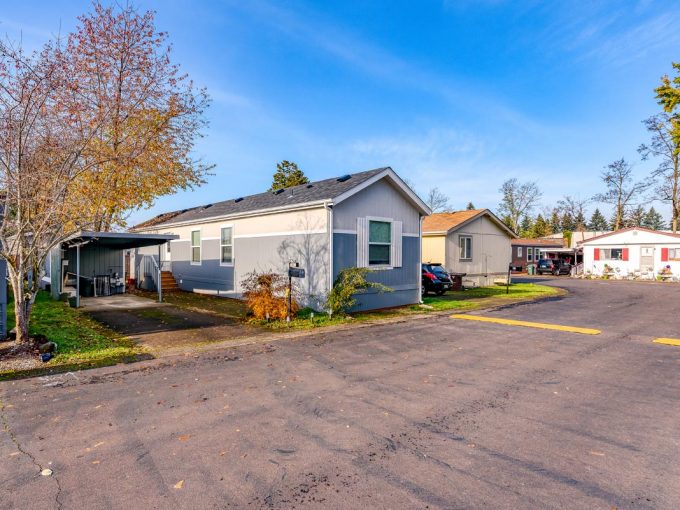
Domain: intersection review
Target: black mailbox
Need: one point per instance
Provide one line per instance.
(296, 272)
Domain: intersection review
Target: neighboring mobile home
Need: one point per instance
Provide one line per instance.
(370, 219)
(633, 252)
(475, 242)
(527, 252)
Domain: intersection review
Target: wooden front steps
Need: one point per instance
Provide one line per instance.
(168, 282)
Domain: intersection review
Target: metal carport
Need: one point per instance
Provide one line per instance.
(102, 253)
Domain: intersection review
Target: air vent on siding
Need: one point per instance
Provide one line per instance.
(344, 178)
(238, 200)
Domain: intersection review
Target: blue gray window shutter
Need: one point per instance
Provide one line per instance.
(362, 242)
(396, 244)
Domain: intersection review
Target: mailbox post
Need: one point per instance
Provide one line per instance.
(294, 271)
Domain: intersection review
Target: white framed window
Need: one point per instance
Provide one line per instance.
(227, 245)
(611, 253)
(519, 251)
(673, 253)
(196, 247)
(530, 254)
(379, 243)
(465, 245)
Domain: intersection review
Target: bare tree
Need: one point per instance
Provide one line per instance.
(665, 145)
(437, 201)
(621, 190)
(576, 208)
(519, 199)
(82, 140)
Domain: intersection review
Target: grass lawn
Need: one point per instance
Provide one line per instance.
(465, 300)
(82, 341)
(485, 296)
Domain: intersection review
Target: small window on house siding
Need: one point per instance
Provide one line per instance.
(195, 246)
(379, 243)
(611, 254)
(673, 253)
(519, 251)
(227, 245)
(530, 254)
(465, 243)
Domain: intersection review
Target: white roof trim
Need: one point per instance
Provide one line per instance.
(403, 187)
(247, 214)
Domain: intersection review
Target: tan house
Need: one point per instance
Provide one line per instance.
(475, 242)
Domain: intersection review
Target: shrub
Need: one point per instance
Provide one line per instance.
(350, 281)
(266, 295)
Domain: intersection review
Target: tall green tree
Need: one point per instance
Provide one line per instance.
(598, 222)
(526, 227)
(555, 222)
(654, 220)
(518, 200)
(540, 228)
(287, 175)
(665, 144)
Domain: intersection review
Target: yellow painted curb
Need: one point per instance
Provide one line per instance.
(667, 341)
(526, 324)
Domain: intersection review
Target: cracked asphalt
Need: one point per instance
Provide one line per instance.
(429, 413)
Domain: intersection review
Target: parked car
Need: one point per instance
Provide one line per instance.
(435, 279)
(553, 266)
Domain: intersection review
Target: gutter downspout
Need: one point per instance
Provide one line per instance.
(329, 220)
(420, 259)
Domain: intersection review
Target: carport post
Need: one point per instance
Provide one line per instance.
(77, 275)
(160, 273)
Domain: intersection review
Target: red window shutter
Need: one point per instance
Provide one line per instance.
(664, 254)
(596, 254)
(625, 254)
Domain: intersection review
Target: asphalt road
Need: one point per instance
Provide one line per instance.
(433, 413)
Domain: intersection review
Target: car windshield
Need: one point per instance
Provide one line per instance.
(438, 270)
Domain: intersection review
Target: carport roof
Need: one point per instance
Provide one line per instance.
(120, 240)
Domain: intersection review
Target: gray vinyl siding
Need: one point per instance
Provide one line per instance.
(209, 275)
(491, 252)
(257, 253)
(381, 199)
(404, 280)
(95, 260)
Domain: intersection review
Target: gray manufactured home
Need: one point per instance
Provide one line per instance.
(369, 219)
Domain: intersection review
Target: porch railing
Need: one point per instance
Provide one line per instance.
(147, 272)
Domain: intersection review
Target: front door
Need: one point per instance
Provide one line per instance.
(647, 259)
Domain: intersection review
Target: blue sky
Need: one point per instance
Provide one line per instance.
(458, 94)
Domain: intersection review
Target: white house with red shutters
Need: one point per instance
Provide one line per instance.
(634, 252)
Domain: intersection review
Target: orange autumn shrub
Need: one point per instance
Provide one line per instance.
(266, 296)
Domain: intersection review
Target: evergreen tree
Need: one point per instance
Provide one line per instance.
(598, 222)
(540, 228)
(555, 222)
(654, 220)
(580, 221)
(526, 226)
(470, 206)
(567, 222)
(287, 175)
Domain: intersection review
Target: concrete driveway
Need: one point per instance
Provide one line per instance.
(430, 413)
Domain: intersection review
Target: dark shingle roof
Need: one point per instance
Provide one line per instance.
(326, 189)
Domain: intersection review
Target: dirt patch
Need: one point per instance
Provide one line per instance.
(171, 326)
(19, 356)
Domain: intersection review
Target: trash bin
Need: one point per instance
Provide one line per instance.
(531, 270)
(457, 280)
